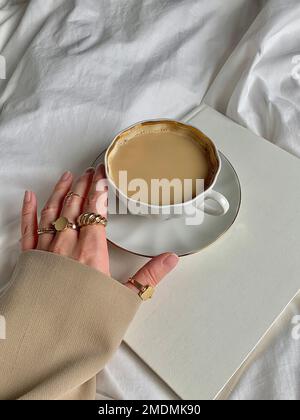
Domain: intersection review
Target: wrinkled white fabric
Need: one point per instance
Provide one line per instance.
(79, 71)
(259, 86)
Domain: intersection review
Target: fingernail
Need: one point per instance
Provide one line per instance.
(101, 169)
(90, 170)
(66, 176)
(171, 261)
(27, 196)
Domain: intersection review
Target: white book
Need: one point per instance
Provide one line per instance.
(211, 312)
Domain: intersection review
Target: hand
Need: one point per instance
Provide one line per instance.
(89, 244)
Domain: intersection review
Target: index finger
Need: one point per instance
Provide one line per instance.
(29, 222)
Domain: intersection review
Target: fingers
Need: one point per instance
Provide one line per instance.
(29, 222)
(53, 207)
(66, 241)
(73, 205)
(97, 198)
(155, 270)
(92, 239)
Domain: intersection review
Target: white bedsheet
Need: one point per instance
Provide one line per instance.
(80, 70)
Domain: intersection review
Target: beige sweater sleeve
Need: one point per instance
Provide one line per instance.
(64, 321)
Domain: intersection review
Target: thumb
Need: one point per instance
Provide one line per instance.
(155, 270)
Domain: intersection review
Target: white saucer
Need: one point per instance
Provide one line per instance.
(149, 237)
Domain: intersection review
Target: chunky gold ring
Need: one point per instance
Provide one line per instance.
(87, 219)
(42, 231)
(62, 223)
(145, 292)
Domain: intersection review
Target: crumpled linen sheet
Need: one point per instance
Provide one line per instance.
(79, 71)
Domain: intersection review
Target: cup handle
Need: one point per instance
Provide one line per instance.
(218, 198)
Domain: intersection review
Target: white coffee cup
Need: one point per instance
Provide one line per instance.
(200, 202)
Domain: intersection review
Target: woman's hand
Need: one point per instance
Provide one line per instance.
(89, 244)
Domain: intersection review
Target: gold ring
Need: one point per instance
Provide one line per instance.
(41, 231)
(62, 223)
(71, 194)
(145, 292)
(87, 219)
